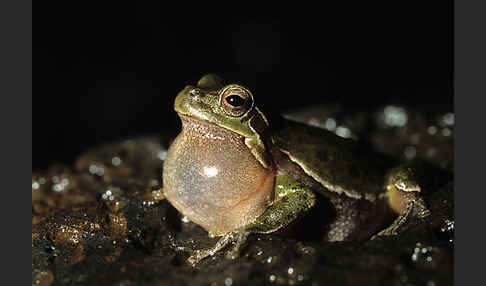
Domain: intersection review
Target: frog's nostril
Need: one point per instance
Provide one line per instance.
(196, 92)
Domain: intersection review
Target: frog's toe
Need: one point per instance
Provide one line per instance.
(385, 232)
(238, 237)
(240, 242)
(199, 255)
(196, 257)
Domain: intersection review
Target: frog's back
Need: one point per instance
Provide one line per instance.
(334, 162)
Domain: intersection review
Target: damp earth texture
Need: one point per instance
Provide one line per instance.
(104, 221)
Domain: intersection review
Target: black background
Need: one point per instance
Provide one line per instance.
(103, 71)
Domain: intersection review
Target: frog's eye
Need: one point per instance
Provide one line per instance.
(235, 101)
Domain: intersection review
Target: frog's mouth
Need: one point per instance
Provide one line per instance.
(188, 117)
(206, 129)
(194, 106)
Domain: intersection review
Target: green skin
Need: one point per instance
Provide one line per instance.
(309, 161)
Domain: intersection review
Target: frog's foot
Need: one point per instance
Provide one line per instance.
(399, 221)
(405, 200)
(241, 237)
(238, 237)
(156, 195)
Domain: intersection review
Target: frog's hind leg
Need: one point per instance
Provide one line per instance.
(404, 196)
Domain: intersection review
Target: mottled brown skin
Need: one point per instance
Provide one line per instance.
(234, 174)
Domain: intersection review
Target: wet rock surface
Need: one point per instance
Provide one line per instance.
(103, 221)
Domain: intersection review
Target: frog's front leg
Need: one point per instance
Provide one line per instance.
(404, 196)
(235, 236)
(291, 201)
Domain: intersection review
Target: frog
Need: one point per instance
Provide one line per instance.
(234, 172)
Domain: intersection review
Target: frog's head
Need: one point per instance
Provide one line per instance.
(228, 106)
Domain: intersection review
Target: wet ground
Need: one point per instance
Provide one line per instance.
(102, 220)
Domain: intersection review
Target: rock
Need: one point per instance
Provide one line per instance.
(104, 222)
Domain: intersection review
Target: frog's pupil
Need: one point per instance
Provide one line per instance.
(235, 100)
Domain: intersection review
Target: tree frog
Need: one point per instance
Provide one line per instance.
(233, 173)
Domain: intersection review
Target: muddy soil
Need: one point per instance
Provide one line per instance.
(102, 221)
